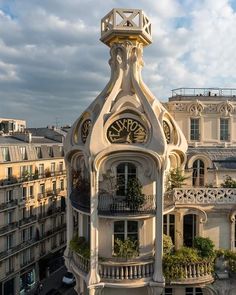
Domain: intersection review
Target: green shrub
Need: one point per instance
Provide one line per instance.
(80, 246)
(228, 182)
(205, 247)
(126, 249)
(134, 196)
(167, 244)
(175, 179)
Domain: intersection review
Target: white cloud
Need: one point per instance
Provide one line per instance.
(52, 63)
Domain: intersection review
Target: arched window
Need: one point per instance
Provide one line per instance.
(198, 173)
(124, 172)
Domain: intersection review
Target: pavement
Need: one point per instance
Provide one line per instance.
(54, 281)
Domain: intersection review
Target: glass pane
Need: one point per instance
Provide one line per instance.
(119, 227)
(132, 226)
(172, 218)
(119, 236)
(132, 237)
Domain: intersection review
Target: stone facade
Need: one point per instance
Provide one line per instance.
(32, 209)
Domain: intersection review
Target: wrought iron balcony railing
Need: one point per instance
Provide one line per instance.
(8, 205)
(113, 205)
(80, 201)
(8, 227)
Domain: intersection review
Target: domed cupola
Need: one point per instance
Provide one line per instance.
(117, 154)
(126, 113)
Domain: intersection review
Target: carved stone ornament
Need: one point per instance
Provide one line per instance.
(225, 109)
(167, 131)
(126, 130)
(85, 130)
(196, 109)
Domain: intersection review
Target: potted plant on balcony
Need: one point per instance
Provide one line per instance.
(134, 196)
(175, 179)
(126, 249)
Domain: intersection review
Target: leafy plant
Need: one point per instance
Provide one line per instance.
(228, 182)
(175, 179)
(205, 247)
(126, 249)
(230, 256)
(167, 244)
(134, 196)
(80, 246)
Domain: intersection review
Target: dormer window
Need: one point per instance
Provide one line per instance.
(5, 154)
(50, 151)
(23, 153)
(38, 152)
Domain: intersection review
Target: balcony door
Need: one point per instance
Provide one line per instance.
(189, 226)
(124, 172)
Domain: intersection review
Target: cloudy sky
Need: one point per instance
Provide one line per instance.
(52, 64)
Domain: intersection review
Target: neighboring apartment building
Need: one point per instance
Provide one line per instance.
(32, 209)
(125, 135)
(11, 125)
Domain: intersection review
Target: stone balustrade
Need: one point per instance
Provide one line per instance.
(81, 262)
(185, 273)
(204, 195)
(126, 270)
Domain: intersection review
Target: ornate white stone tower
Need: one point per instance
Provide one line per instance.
(117, 154)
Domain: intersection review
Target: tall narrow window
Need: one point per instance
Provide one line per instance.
(125, 229)
(53, 168)
(224, 129)
(23, 153)
(38, 152)
(169, 226)
(124, 172)
(194, 129)
(9, 173)
(9, 196)
(189, 229)
(41, 170)
(5, 154)
(198, 173)
(60, 167)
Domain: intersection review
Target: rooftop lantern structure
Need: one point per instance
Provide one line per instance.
(117, 153)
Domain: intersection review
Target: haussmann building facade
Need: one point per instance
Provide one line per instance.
(119, 154)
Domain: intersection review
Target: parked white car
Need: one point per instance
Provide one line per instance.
(68, 279)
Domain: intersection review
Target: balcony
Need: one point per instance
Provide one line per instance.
(189, 273)
(13, 250)
(8, 205)
(130, 270)
(80, 201)
(114, 205)
(114, 270)
(50, 212)
(7, 228)
(205, 196)
(26, 220)
(53, 231)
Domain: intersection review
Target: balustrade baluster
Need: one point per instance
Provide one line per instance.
(131, 272)
(117, 273)
(135, 271)
(185, 271)
(113, 272)
(121, 273)
(194, 270)
(139, 271)
(126, 272)
(143, 271)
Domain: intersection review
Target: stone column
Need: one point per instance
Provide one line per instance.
(93, 276)
(158, 274)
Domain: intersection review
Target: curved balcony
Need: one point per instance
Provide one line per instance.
(189, 273)
(129, 270)
(114, 205)
(80, 201)
(201, 195)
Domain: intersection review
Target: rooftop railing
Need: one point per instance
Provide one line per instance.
(229, 92)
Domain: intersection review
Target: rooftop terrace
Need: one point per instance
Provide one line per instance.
(202, 93)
